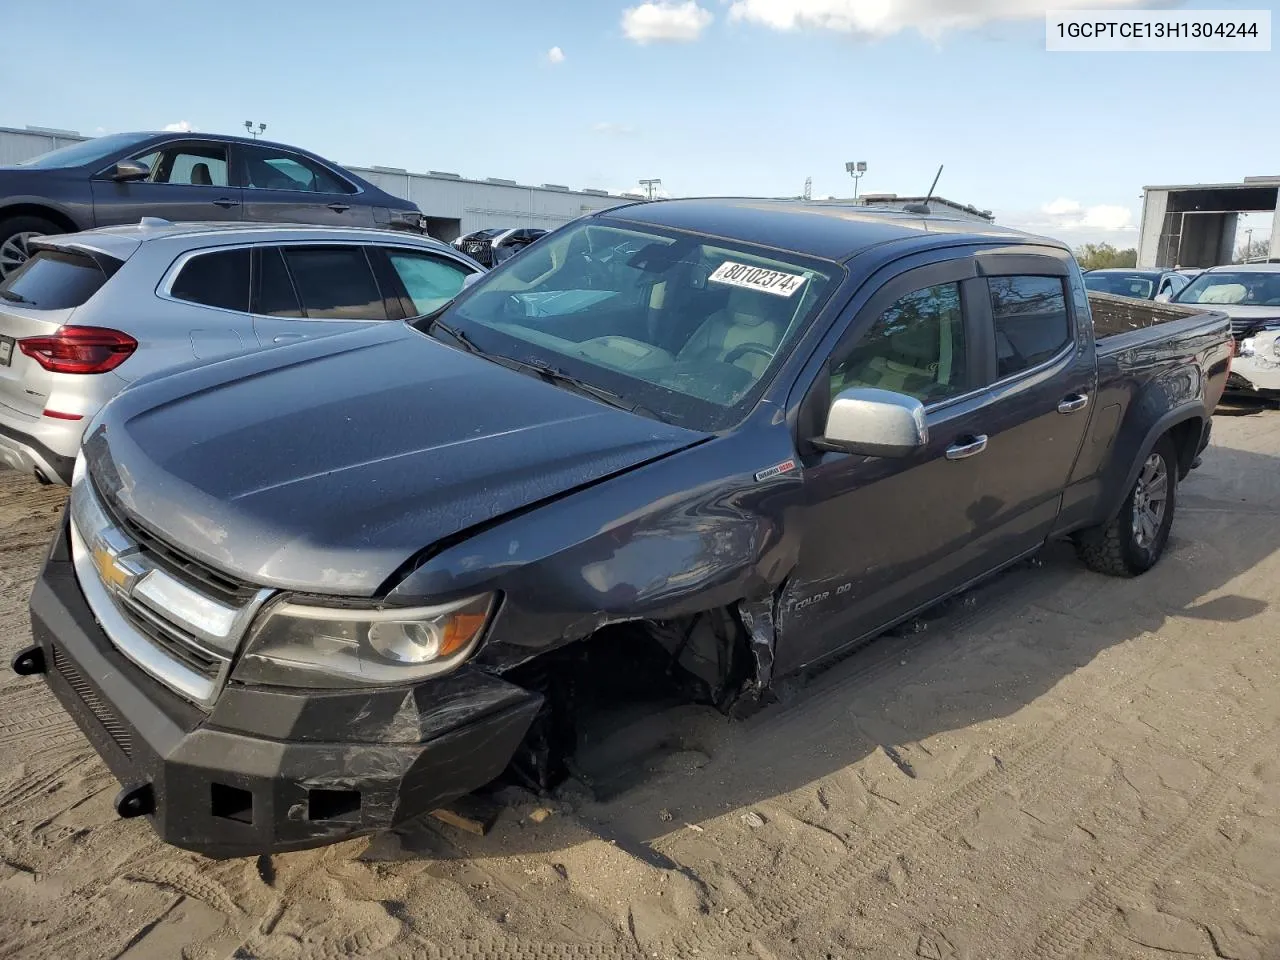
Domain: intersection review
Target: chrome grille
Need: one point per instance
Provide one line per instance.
(157, 607)
(89, 696)
(1247, 326)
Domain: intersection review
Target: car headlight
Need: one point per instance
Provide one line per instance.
(1246, 347)
(300, 645)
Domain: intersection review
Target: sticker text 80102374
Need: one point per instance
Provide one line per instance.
(758, 278)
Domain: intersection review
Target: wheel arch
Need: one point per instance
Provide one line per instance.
(30, 208)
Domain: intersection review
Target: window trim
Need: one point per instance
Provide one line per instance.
(236, 171)
(164, 288)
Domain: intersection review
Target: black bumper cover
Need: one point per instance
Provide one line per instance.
(229, 792)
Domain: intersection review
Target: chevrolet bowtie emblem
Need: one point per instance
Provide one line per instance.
(110, 570)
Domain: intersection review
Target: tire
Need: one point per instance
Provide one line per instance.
(14, 234)
(1134, 541)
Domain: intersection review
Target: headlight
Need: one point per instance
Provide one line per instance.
(1246, 347)
(298, 645)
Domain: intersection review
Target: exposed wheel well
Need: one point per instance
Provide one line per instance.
(1186, 440)
(36, 210)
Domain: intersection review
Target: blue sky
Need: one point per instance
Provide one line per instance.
(711, 102)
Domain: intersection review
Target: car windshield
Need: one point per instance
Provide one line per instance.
(688, 328)
(87, 151)
(1245, 289)
(1135, 285)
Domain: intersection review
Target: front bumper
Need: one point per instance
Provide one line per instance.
(270, 770)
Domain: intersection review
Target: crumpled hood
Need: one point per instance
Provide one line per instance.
(323, 467)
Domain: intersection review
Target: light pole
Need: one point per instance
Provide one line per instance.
(262, 127)
(1248, 244)
(856, 170)
(650, 186)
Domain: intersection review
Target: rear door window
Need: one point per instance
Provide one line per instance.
(273, 293)
(265, 168)
(219, 279)
(335, 283)
(54, 280)
(1032, 325)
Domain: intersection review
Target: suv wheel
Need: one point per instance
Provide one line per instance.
(16, 234)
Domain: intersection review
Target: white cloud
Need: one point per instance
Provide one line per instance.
(182, 126)
(555, 55)
(612, 129)
(1075, 222)
(1061, 207)
(882, 18)
(665, 20)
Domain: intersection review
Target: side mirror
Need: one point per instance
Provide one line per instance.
(470, 278)
(875, 423)
(127, 170)
(1163, 297)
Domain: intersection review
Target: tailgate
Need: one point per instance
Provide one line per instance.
(24, 384)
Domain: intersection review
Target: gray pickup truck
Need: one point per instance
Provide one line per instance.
(314, 592)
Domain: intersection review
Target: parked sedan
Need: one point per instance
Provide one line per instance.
(1139, 284)
(180, 176)
(91, 312)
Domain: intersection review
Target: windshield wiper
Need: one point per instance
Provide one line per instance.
(435, 323)
(14, 297)
(553, 375)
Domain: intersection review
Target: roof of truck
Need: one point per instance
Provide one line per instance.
(822, 230)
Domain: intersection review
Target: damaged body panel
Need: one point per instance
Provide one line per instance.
(314, 592)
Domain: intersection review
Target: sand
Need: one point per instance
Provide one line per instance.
(1059, 765)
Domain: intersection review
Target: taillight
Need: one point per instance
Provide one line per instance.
(80, 349)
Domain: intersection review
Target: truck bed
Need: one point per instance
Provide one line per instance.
(1114, 318)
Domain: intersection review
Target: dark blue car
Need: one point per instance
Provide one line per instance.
(123, 177)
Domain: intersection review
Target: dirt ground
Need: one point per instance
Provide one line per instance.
(1059, 765)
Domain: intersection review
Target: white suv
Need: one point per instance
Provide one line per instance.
(91, 312)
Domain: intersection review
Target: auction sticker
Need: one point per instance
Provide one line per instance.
(758, 278)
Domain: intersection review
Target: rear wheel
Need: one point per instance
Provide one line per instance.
(1134, 541)
(16, 233)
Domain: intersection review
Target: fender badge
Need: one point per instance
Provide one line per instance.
(777, 470)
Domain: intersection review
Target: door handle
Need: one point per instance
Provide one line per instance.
(226, 203)
(339, 207)
(971, 447)
(1073, 403)
(289, 337)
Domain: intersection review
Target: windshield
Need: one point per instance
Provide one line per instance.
(1121, 284)
(87, 151)
(1245, 289)
(687, 327)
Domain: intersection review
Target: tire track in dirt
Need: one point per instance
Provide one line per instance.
(1068, 936)
(1019, 768)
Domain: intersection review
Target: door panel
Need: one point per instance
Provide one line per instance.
(280, 186)
(188, 181)
(881, 536)
(884, 536)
